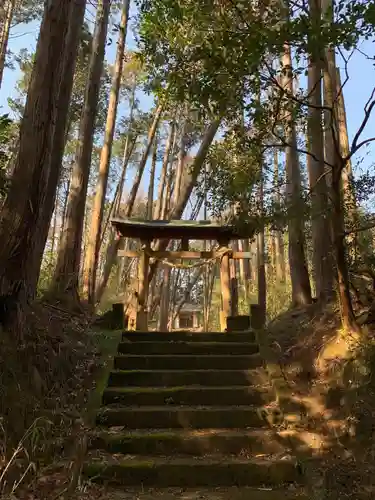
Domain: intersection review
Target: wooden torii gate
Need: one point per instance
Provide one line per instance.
(147, 231)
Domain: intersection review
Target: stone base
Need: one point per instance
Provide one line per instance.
(258, 317)
(238, 323)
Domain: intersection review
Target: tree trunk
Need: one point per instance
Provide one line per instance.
(61, 129)
(338, 224)
(245, 275)
(114, 243)
(164, 303)
(65, 206)
(165, 206)
(261, 267)
(6, 19)
(320, 219)
(301, 290)
(25, 219)
(278, 235)
(92, 254)
(127, 151)
(69, 257)
(347, 313)
(330, 101)
(54, 226)
(349, 199)
(164, 168)
(180, 161)
(150, 200)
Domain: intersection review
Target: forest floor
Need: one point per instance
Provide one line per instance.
(330, 375)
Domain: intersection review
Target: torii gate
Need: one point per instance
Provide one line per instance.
(147, 231)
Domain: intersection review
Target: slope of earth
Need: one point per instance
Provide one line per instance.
(327, 376)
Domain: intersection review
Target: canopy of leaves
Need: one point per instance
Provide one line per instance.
(210, 50)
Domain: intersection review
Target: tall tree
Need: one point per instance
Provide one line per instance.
(347, 184)
(92, 252)
(301, 290)
(320, 219)
(338, 163)
(69, 256)
(261, 249)
(151, 186)
(164, 168)
(278, 235)
(23, 218)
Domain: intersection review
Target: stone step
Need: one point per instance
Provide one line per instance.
(171, 378)
(291, 492)
(192, 471)
(186, 362)
(181, 347)
(188, 336)
(158, 396)
(168, 417)
(191, 442)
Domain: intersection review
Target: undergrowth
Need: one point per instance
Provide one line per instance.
(331, 375)
(45, 380)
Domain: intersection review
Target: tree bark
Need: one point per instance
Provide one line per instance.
(245, 274)
(150, 199)
(54, 227)
(338, 223)
(6, 19)
(261, 268)
(164, 168)
(92, 253)
(320, 212)
(180, 161)
(330, 101)
(69, 258)
(164, 302)
(278, 235)
(25, 219)
(349, 198)
(127, 150)
(301, 290)
(62, 125)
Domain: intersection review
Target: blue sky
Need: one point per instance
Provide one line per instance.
(356, 92)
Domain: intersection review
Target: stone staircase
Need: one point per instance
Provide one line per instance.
(189, 410)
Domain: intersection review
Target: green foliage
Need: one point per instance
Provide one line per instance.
(28, 11)
(6, 128)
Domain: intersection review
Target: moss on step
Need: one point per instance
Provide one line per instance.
(165, 378)
(197, 443)
(189, 336)
(181, 417)
(188, 347)
(236, 395)
(229, 493)
(107, 342)
(185, 472)
(186, 362)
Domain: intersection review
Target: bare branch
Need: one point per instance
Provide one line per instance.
(368, 110)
